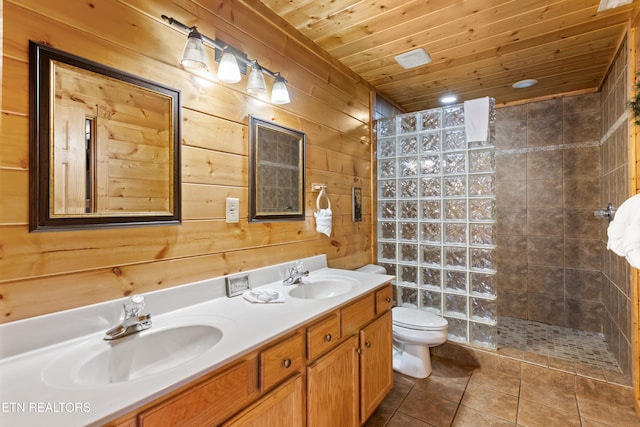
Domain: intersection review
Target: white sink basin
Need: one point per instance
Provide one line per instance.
(323, 287)
(137, 356)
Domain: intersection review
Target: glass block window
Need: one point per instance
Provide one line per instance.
(436, 219)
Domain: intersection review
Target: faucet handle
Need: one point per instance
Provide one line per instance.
(133, 306)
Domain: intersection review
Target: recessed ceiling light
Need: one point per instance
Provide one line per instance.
(524, 83)
(610, 4)
(448, 99)
(413, 58)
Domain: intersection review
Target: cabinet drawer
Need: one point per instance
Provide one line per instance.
(281, 360)
(323, 336)
(358, 314)
(384, 299)
(208, 403)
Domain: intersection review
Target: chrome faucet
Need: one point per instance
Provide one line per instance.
(295, 273)
(133, 321)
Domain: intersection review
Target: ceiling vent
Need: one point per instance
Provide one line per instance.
(413, 58)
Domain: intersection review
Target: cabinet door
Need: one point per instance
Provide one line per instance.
(283, 407)
(333, 388)
(376, 364)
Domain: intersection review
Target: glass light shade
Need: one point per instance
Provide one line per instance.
(228, 71)
(193, 55)
(256, 84)
(279, 93)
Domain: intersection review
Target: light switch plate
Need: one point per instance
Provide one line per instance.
(232, 209)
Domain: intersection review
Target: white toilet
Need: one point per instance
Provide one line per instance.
(414, 331)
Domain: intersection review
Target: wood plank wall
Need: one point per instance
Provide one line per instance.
(634, 69)
(46, 272)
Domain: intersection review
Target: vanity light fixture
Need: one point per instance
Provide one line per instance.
(233, 63)
(256, 83)
(193, 54)
(228, 70)
(280, 94)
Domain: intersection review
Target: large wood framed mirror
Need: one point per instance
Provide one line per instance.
(105, 145)
(276, 172)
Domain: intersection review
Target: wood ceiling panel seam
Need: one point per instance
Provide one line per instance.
(505, 38)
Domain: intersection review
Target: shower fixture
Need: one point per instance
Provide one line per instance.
(608, 213)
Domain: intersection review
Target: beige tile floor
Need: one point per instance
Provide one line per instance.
(462, 395)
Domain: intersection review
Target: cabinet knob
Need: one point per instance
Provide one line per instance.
(367, 344)
(286, 363)
(328, 337)
(387, 300)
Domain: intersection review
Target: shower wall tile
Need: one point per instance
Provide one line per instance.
(581, 223)
(551, 108)
(511, 221)
(589, 103)
(585, 315)
(546, 309)
(614, 163)
(511, 167)
(511, 194)
(511, 275)
(544, 193)
(513, 303)
(579, 193)
(581, 127)
(511, 127)
(581, 162)
(544, 165)
(582, 253)
(511, 249)
(544, 222)
(545, 251)
(545, 280)
(583, 284)
(544, 132)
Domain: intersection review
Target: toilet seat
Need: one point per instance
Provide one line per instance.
(419, 320)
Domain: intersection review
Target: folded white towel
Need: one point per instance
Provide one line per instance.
(263, 296)
(622, 230)
(323, 221)
(476, 119)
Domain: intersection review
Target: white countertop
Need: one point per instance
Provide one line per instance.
(34, 386)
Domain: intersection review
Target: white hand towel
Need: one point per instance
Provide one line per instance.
(618, 232)
(476, 119)
(323, 221)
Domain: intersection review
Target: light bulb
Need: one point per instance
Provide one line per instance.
(256, 84)
(228, 71)
(279, 93)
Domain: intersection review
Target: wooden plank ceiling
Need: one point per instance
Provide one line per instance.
(479, 47)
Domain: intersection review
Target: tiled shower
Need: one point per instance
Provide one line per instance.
(436, 219)
(556, 161)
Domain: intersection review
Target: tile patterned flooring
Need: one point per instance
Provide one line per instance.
(574, 345)
(462, 395)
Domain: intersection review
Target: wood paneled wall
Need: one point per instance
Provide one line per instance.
(47, 272)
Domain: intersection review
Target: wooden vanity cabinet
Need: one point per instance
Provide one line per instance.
(283, 407)
(332, 372)
(346, 385)
(209, 402)
(376, 364)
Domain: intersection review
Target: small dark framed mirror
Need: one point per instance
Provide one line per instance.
(276, 172)
(104, 145)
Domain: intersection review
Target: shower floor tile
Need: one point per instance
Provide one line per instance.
(587, 348)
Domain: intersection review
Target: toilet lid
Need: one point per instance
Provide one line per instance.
(413, 318)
